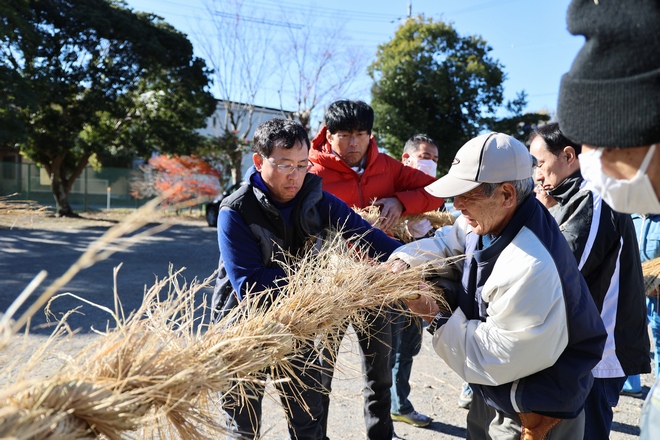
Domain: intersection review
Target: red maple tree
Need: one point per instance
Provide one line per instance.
(178, 179)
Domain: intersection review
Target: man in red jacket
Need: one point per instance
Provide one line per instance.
(345, 155)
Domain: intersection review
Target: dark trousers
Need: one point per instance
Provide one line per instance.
(302, 390)
(406, 343)
(486, 423)
(604, 395)
(375, 342)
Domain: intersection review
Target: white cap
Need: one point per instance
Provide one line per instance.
(489, 158)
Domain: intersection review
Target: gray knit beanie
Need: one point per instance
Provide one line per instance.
(611, 95)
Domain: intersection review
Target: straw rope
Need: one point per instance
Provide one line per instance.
(163, 369)
(401, 230)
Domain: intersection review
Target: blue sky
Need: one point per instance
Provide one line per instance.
(528, 37)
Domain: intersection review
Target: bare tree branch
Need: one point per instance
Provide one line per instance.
(322, 65)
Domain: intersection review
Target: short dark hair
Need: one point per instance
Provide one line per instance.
(554, 139)
(412, 144)
(348, 115)
(278, 133)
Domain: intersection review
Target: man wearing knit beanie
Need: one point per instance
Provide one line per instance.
(610, 103)
(610, 100)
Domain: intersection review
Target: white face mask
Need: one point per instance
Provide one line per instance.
(427, 166)
(634, 196)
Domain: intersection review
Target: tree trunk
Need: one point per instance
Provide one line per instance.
(61, 184)
(61, 195)
(304, 117)
(236, 175)
(236, 164)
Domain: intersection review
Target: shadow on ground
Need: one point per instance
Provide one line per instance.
(25, 252)
(445, 428)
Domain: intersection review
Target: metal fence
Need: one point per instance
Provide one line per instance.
(109, 188)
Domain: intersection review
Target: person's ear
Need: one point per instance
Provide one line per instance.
(570, 155)
(405, 158)
(258, 161)
(509, 195)
(328, 136)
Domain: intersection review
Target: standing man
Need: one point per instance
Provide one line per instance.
(280, 209)
(345, 155)
(608, 102)
(647, 228)
(421, 153)
(604, 244)
(524, 330)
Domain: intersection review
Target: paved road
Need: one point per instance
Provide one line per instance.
(24, 252)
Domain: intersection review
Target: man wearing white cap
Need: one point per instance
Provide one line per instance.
(523, 329)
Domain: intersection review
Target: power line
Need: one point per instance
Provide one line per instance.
(265, 21)
(289, 8)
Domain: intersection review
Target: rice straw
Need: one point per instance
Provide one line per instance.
(401, 230)
(163, 368)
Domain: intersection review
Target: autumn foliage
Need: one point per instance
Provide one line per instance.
(177, 179)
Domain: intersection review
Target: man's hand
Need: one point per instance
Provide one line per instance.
(424, 306)
(390, 212)
(396, 265)
(543, 197)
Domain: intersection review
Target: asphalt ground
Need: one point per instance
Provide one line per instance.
(25, 252)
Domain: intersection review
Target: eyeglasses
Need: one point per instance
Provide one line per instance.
(288, 169)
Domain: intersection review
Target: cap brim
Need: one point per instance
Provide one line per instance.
(449, 186)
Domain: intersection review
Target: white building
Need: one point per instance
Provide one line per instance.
(241, 113)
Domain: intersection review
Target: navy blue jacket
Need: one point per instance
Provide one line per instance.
(253, 230)
(526, 333)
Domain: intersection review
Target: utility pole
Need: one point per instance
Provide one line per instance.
(409, 8)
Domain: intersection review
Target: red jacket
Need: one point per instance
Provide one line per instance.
(383, 177)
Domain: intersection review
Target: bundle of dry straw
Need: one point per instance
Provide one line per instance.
(651, 270)
(401, 230)
(162, 368)
(136, 374)
(340, 282)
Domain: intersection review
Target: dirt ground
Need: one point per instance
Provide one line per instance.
(29, 243)
(435, 390)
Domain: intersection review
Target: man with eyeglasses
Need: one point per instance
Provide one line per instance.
(346, 156)
(281, 208)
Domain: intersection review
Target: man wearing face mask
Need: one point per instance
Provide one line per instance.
(608, 102)
(605, 248)
(421, 153)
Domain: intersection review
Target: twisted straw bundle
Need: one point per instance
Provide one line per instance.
(338, 284)
(163, 368)
(401, 230)
(138, 373)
